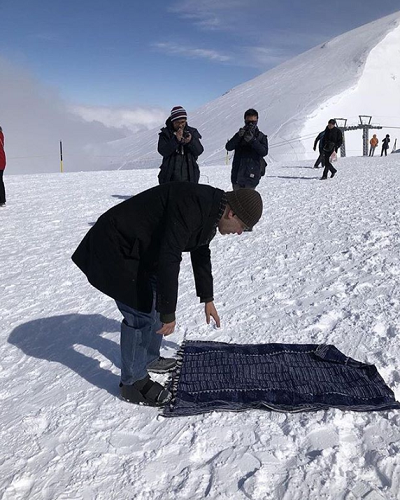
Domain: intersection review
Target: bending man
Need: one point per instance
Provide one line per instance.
(133, 254)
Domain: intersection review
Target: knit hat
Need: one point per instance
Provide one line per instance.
(177, 113)
(246, 204)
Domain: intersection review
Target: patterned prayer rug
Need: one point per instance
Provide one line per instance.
(282, 377)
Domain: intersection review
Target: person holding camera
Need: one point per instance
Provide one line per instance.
(250, 146)
(180, 146)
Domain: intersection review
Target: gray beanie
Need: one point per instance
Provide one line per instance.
(246, 204)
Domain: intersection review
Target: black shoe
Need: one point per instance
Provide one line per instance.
(323, 178)
(162, 365)
(145, 392)
(333, 174)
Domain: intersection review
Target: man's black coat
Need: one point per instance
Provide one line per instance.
(145, 236)
(175, 154)
(332, 139)
(246, 165)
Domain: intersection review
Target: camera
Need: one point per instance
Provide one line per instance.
(186, 134)
(250, 126)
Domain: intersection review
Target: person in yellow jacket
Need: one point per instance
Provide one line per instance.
(373, 143)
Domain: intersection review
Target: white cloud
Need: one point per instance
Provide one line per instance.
(262, 58)
(173, 48)
(35, 118)
(209, 14)
(132, 120)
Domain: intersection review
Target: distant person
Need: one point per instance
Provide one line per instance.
(180, 146)
(385, 144)
(133, 254)
(373, 143)
(320, 159)
(331, 142)
(250, 146)
(2, 168)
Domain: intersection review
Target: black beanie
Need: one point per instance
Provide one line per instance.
(246, 204)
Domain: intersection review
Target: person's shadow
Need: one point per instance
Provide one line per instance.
(55, 338)
(121, 197)
(291, 177)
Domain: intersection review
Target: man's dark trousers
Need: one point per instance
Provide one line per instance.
(328, 165)
(320, 159)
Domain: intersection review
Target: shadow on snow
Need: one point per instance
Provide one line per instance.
(54, 339)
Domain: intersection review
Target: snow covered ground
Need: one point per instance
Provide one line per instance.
(322, 266)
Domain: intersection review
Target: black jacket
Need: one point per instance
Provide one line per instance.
(145, 236)
(385, 143)
(179, 157)
(246, 165)
(332, 139)
(319, 139)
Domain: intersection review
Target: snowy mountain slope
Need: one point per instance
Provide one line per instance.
(341, 77)
(323, 265)
(377, 93)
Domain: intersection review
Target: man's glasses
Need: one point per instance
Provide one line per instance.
(244, 227)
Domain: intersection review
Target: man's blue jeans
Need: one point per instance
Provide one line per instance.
(140, 344)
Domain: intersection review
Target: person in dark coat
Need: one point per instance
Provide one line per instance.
(250, 146)
(331, 142)
(320, 159)
(180, 146)
(2, 168)
(133, 254)
(385, 144)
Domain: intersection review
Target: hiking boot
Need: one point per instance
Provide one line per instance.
(162, 365)
(145, 392)
(333, 174)
(323, 178)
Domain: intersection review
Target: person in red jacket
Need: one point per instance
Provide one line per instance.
(2, 167)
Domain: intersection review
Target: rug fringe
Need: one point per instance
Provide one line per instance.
(173, 380)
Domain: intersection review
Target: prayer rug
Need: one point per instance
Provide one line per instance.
(281, 377)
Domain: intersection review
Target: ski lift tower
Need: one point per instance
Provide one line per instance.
(365, 121)
(341, 123)
(364, 125)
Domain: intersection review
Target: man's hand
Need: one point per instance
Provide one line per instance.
(179, 134)
(242, 131)
(167, 328)
(248, 136)
(211, 312)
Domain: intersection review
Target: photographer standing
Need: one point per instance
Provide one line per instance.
(180, 146)
(250, 146)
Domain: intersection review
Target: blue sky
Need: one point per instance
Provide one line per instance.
(127, 53)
